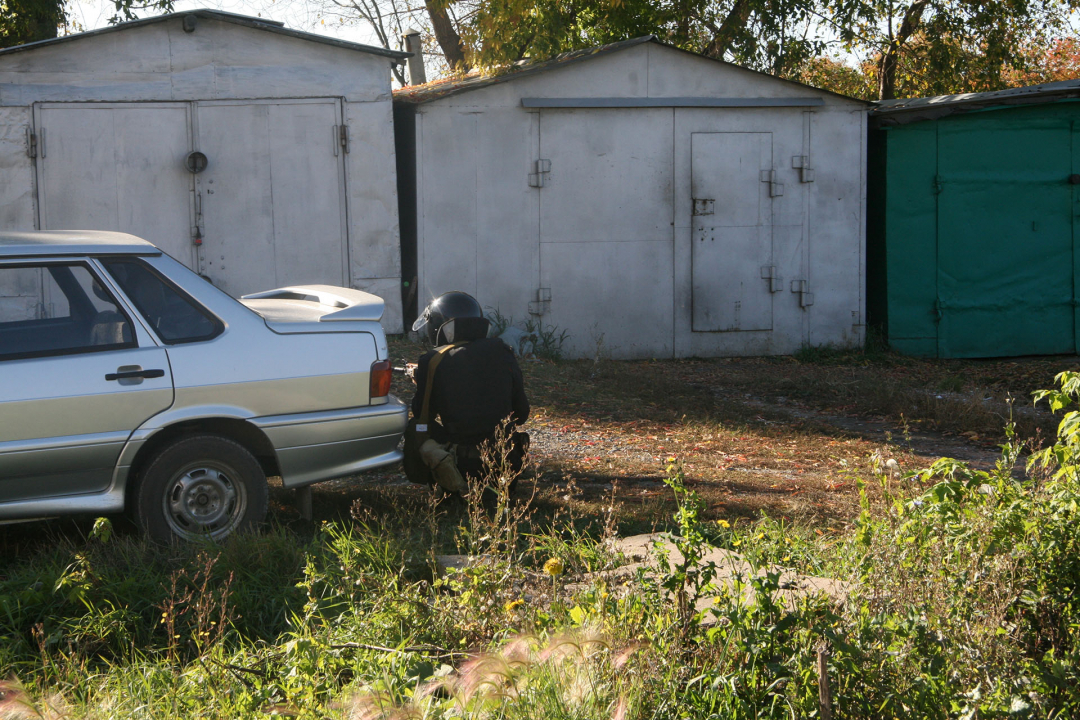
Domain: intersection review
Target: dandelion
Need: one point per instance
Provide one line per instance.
(723, 523)
(513, 605)
(554, 567)
(736, 543)
(760, 536)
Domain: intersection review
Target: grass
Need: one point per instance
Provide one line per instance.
(962, 604)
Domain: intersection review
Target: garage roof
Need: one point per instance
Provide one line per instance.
(257, 23)
(438, 89)
(895, 112)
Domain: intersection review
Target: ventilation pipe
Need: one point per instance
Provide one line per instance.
(414, 45)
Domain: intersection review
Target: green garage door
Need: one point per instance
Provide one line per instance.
(1005, 230)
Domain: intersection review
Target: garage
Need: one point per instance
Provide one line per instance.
(975, 222)
(646, 201)
(256, 155)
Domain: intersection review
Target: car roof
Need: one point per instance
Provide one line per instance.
(55, 243)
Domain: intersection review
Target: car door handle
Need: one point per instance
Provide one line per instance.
(128, 374)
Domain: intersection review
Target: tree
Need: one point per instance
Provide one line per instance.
(23, 21)
(770, 35)
(1042, 63)
(929, 47)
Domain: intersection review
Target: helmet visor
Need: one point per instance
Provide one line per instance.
(420, 322)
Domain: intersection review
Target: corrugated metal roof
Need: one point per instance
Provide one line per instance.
(273, 26)
(890, 112)
(438, 89)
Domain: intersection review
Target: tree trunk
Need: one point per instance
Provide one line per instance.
(887, 64)
(735, 21)
(447, 36)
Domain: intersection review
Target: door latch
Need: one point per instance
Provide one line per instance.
(802, 287)
(776, 283)
(538, 178)
(802, 164)
(776, 188)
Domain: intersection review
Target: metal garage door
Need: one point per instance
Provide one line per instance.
(117, 167)
(606, 229)
(1006, 269)
(732, 231)
(272, 198)
(268, 210)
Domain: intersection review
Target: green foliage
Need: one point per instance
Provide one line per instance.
(960, 603)
(23, 21)
(766, 35)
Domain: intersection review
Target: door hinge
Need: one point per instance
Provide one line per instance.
(776, 188)
(538, 178)
(341, 138)
(802, 164)
(542, 303)
(35, 143)
(939, 184)
(776, 283)
(802, 287)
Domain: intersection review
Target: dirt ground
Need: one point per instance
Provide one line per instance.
(785, 436)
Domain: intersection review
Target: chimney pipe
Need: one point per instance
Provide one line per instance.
(414, 45)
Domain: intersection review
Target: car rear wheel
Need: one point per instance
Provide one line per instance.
(200, 487)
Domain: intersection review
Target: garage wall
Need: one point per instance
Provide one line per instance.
(218, 61)
(224, 61)
(613, 296)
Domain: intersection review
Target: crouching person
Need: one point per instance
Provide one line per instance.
(469, 394)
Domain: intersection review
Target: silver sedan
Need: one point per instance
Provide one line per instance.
(128, 382)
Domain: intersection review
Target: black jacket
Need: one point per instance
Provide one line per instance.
(477, 386)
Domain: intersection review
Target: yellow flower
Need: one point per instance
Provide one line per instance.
(760, 536)
(671, 459)
(513, 605)
(736, 543)
(723, 523)
(554, 567)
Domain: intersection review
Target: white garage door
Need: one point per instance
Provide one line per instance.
(732, 231)
(117, 167)
(268, 210)
(272, 197)
(606, 229)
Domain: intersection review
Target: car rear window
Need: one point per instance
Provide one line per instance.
(58, 309)
(172, 313)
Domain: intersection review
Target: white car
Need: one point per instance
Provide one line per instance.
(128, 382)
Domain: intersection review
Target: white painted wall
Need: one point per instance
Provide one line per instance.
(223, 61)
(610, 233)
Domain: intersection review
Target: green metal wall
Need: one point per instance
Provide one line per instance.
(973, 233)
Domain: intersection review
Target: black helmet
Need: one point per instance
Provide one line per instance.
(446, 307)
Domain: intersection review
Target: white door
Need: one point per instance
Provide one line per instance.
(732, 231)
(271, 202)
(117, 166)
(606, 230)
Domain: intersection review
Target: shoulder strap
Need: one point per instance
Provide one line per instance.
(434, 363)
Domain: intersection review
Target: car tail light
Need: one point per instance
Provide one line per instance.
(381, 374)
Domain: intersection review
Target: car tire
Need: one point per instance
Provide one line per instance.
(203, 486)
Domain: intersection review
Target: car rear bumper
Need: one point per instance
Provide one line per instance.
(312, 447)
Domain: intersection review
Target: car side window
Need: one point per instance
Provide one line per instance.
(171, 312)
(58, 309)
